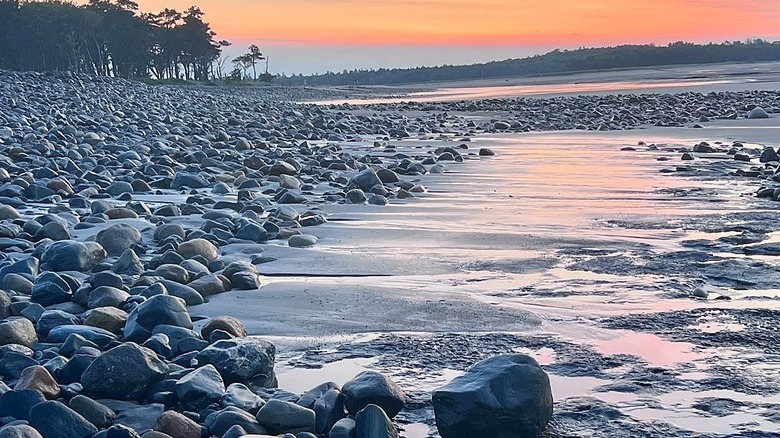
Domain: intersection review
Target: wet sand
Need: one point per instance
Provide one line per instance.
(664, 79)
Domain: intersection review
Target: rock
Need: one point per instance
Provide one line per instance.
(200, 387)
(329, 409)
(107, 318)
(768, 155)
(485, 152)
(356, 196)
(282, 168)
(372, 422)
(17, 283)
(17, 331)
(19, 431)
(191, 180)
(38, 378)
(118, 238)
(157, 310)
(208, 285)
(13, 364)
(226, 323)
(220, 421)
(757, 113)
(311, 396)
(289, 182)
(124, 372)
(246, 281)
(128, 264)
(501, 126)
(70, 255)
(49, 293)
(177, 425)
(97, 414)
(142, 418)
(173, 273)
(121, 431)
(284, 417)
(252, 232)
(507, 396)
(370, 387)
(302, 241)
(7, 212)
(164, 231)
(54, 231)
(344, 428)
(242, 360)
(55, 420)
(97, 335)
(240, 396)
(17, 404)
(107, 296)
(198, 247)
(365, 180)
(190, 296)
(73, 343)
(180, 339)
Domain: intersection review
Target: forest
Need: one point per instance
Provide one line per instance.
(107, 38)
(556, 62)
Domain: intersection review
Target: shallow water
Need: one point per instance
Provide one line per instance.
(554, 233)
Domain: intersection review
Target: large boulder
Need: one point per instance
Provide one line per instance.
(69, 255)
(242, 360)
(370, 387)
(157, 310)
(118, 238)
(55, 420)
(506, 396)
(124, 372)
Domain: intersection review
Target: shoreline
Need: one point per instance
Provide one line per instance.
(518, 242)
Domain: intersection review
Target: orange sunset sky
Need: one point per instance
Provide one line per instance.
(493, 28)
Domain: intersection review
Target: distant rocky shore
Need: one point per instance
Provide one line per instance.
(119, 203)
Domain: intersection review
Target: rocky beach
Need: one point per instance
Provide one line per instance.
(187, 262)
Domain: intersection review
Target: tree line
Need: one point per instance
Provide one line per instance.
(108, 38)
(554, 62)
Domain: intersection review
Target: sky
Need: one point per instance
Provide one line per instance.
(315, 36)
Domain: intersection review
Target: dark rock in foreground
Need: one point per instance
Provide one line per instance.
(506, 396)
